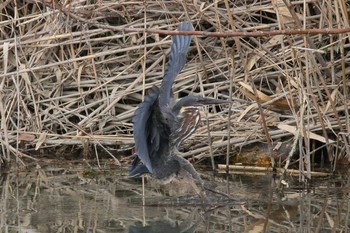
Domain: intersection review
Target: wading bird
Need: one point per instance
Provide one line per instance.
(161, 123)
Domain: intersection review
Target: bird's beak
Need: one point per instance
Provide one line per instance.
(207, 101)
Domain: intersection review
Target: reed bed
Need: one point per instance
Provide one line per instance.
(73, 72)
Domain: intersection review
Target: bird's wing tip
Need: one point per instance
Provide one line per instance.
(185, 26)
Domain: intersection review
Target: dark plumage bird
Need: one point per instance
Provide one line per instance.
(161, 123)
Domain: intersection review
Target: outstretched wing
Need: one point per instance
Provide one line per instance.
(136, 169)
(176, 62)
(144, 133)
(151, 135)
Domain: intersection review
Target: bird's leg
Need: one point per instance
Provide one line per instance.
(187, 169)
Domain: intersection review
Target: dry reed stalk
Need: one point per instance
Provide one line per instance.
(75, 71)
(253, 170)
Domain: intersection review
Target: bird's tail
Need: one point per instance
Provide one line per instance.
(176, 62)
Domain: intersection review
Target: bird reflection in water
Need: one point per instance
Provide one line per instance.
(162, 123)
(161, 226)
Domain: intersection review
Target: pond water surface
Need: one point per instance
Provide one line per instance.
(77, 199)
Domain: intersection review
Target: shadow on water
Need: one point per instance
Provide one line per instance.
(67, 200)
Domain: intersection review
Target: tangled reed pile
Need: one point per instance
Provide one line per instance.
(72, 72)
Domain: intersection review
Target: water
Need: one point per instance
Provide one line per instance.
(76, 199)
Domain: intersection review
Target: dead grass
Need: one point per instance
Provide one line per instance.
(67, 79)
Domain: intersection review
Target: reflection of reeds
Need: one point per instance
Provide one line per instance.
(62, 199)
(67, 80)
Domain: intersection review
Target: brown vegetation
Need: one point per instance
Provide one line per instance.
(72, 73)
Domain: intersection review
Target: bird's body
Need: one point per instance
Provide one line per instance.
(161, 123)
